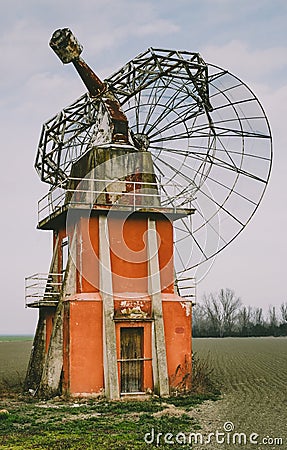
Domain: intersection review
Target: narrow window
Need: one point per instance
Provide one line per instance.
(65, 253)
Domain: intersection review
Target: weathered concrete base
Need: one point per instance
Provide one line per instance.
(37, 357)
(38, 353)
(50, 384)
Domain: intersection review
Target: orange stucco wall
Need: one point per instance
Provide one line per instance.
(165, 254)
(128, 254)
(83, 347)
(177, 326)
(129, 258)
(88, 255)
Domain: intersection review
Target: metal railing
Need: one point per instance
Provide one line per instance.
(42, 288)
(135, 195)
(186, 288)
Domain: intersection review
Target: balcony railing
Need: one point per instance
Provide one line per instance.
(186, 288)
(135, 195)
(42, 288)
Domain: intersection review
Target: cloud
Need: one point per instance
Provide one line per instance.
(111, 39)
(248, 63)
(156, 27)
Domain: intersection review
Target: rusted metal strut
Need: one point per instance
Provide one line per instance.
(68, 49)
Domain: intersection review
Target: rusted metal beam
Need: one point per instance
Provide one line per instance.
(93, 83)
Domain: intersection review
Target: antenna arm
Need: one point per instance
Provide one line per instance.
(92, 82)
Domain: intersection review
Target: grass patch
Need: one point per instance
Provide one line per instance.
(94, 424)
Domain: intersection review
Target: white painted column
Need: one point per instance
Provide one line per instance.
(109, 331)
(160, 373)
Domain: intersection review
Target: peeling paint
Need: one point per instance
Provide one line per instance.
(187, 307)
(132, 304)
(134, 313)
(133, 309)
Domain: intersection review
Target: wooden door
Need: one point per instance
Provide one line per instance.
(131, 359)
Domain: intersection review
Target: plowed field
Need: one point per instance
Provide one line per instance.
(252, 373)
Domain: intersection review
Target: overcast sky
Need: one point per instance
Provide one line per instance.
(249, 38)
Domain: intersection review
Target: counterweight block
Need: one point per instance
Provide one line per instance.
(65, 45)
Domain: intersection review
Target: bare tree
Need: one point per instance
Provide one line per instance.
(221, 311)
(230, 306)
(283, 310)
(221, 314)
(198, 320)
(214, 314)
(273, 322)
(258, 316)
(245, 320)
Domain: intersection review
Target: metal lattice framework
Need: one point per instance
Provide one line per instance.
(206, 130)
(64, 139)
